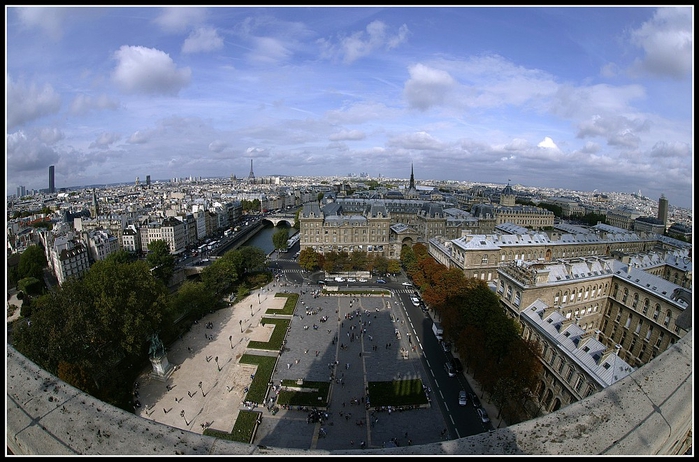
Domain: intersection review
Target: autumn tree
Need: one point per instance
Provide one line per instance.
(310, 260)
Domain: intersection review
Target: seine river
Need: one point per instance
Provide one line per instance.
(263, 238)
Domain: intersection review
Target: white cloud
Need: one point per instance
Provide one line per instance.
(268, 50)
(50, 20)
(50, 135)
(427, 87)
(140, 137)
(201, 40)
(667, 40)
(26, 152)
(347, 135)
(363, 43)
(418, 140)
(179, 19)
(105, 140)
(26, 103)
(547, 143)
(147, 70)
(217, 146)
(83, 104)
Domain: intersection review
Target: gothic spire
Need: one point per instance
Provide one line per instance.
(412, 177)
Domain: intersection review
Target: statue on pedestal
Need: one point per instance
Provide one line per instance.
(162, 369)
(156, 346)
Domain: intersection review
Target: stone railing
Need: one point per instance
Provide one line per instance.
(649, 412)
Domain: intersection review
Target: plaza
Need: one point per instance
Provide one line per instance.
(362, 339)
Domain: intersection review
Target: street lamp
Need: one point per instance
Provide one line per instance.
(230, 340)
(241, 326)
(219, 367)
(251, 306)
(184, 417)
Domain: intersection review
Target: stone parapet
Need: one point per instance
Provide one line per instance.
(649, 412)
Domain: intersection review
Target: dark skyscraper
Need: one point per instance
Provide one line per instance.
(662, 209)
(52, 184)
(147, 181)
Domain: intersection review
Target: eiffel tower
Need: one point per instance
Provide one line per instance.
(251, 177)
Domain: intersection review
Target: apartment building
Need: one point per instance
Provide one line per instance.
(586, 310)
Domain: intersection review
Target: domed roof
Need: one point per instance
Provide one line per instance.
(508, 190)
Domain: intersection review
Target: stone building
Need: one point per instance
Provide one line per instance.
(633, 314)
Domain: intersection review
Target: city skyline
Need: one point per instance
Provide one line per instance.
(578, 98)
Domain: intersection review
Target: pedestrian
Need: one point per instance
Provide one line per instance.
(288, 365)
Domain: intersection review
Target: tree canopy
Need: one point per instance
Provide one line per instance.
(161, 261)
(88, 325)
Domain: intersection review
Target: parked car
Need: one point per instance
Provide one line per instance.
(450, 369)
(351, 280)
(380, 281)
(458, 367)
(446, 346)
(320, 281)
(474, 400)
(339, 279)
(415, 300)
(362, 280)
(462, 398)
(407, 284)
(483, 415)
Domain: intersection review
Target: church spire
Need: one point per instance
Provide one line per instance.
(412, 178)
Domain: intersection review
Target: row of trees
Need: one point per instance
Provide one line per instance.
(93, 332)
(338, 262)
(505, 364)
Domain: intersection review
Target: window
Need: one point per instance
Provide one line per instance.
(635, 300)
(657, 312)
(659, 341)
(618, 315)
(560, 366)
(628, 322)
(638, 326)
(484, 259)
(649, 332)
(518, 298)
(578, 384)
(626, 295)
(645, 306)
(668, 315)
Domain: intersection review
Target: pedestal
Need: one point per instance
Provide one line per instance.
(162, 369)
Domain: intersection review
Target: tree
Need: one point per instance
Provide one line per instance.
(381, 264)
(408, 259)
(94, 322)
(393, 266)
(320, 196)
(219, 277)
(310, 260)
(160, 260)
(280, 239)
(122, 256)
(297, 223)
(32, 263)
(194, 298)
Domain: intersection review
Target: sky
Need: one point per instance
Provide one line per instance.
(581, 98)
